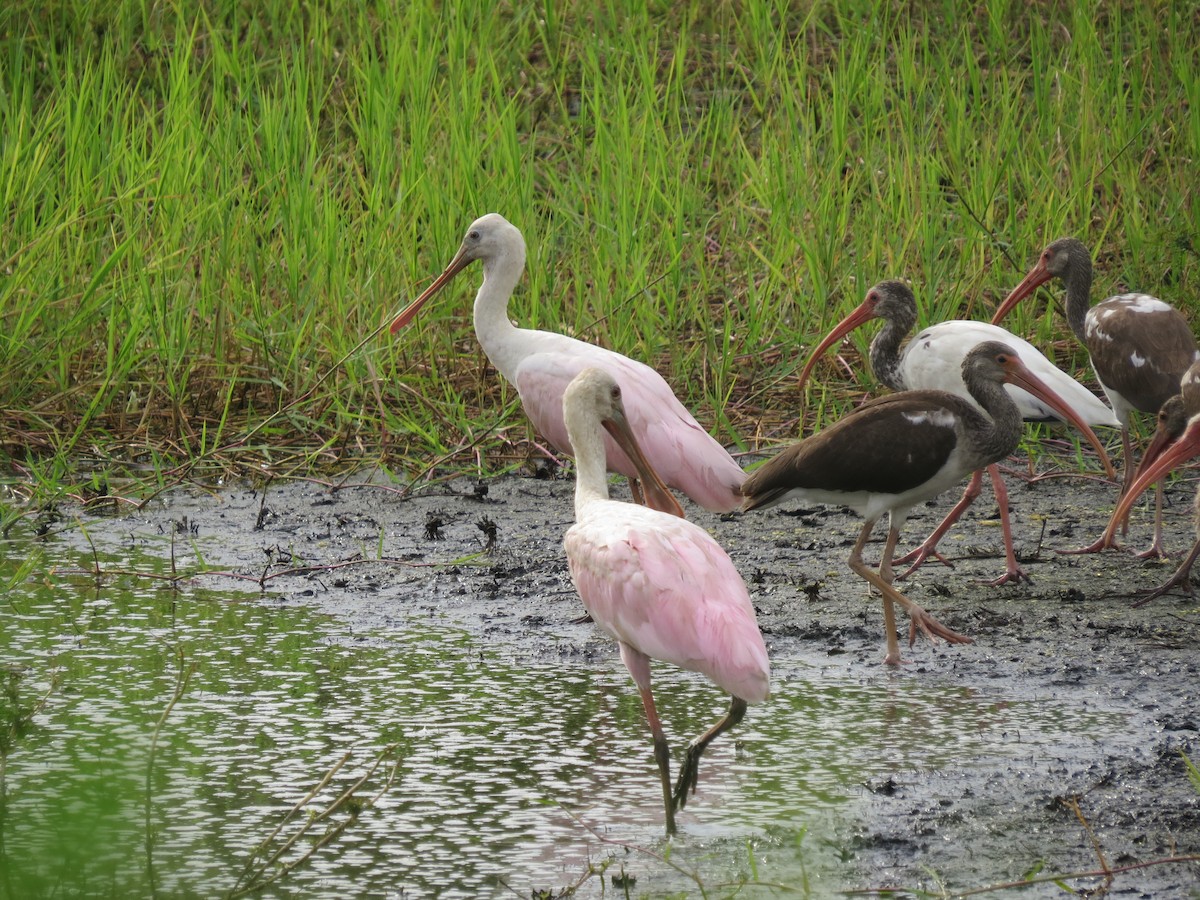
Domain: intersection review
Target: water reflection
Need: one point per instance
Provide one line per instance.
(505, 763)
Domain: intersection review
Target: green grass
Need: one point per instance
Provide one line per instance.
(206, 213)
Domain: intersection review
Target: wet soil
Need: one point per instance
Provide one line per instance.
(1071, 634)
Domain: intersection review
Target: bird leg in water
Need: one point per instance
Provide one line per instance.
(689, 770)
(662, 753)
(921, 619)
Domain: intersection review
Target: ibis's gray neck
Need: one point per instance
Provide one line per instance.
(1000, 435)
(1078, 280)
(885, 352)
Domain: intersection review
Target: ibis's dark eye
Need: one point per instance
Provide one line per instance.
(474, 235)
(616, 393)
(872, 297)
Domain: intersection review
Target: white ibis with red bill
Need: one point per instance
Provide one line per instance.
(1139, 346)
(658, 584)
(902, 449)
(540, 364)
(933, 361)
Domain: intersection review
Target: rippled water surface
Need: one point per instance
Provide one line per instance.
(177, 729)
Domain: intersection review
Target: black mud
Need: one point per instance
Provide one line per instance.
(1070, 634)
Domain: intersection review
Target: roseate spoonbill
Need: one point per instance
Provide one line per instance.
(933, 361)
(659, 584)
(899, 450)
(1174, 420)
(540, 364)
(1139, 346)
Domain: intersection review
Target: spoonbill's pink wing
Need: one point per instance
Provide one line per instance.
(685, 456)
(664, 587)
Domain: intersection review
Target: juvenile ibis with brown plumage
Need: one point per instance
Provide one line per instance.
(1175, 421)
(933, 361)
(1139, 346)
(900, 450)
(540, 364)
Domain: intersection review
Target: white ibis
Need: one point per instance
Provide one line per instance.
(902, 449)
(659, 584)
(1139, 346)
(541, 364)
(933, 361)
(1175, 420)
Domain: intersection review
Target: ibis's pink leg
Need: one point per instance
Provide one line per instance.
(1181, 578)
(1155, 550)
(638, 665)
(928, 548)
(1108, 541)
(1012, 571)
(930, 626)
(886, 571)
(689, 770)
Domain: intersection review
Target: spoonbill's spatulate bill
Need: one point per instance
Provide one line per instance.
(1139, 346)
(540, 364)
(658, 584)
(902, 449)
(933, 361)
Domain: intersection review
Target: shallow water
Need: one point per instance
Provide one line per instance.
(508, 770)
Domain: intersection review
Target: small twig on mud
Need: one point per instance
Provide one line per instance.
(1037, 552)
(1072, 803)
(463, 448)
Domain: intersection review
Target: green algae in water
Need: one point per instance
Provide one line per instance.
(508, 767)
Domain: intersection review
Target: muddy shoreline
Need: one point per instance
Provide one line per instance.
(1071, 634)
